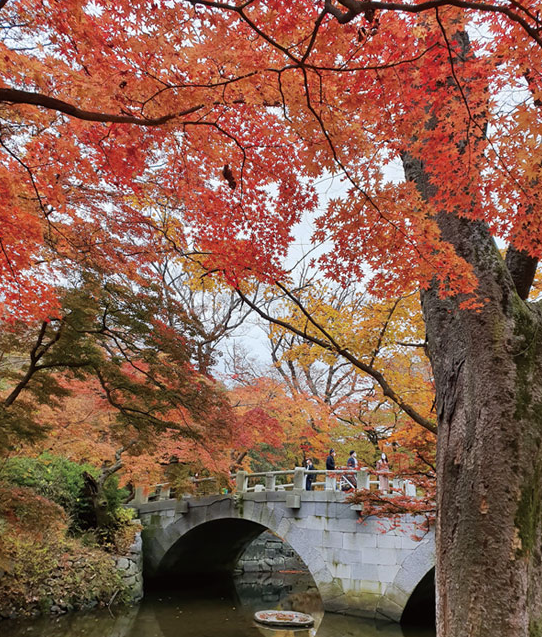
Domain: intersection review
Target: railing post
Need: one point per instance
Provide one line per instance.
(140, 496)
(331, 482)
(164, 493)
(241, 481)
(362, 478)
(270, 481)
(299, 479)
(398, 484)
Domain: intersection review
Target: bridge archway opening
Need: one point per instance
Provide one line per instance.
(420, 608)
(212, 548)
(209, 552)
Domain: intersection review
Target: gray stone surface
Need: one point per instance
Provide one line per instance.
(367, 569)
(130, 567)
(268, 553)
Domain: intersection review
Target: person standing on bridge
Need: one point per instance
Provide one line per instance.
(309, 476)
(383, 471)
(330, 460)
(352, 463)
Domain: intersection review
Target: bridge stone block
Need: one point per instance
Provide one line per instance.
(395, 595)
(365, 572)
(309, 508)
(332, 539)
(389, 610)
(293, 501)
(313, 537)
(198, 514)
(322, 576)
(388, 541)
(379, 556)
(345, 556)
(283, 529)
(249, 510)
(181, 506)
(261, 514)
(342, 571)
(323, 509)
(315, 522)
(276, 496)
(357, 541)
(219, 508)
(387, 573)
(347, 525)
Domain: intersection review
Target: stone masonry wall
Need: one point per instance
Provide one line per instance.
(269, 553)
(130, 567)
(368, 569)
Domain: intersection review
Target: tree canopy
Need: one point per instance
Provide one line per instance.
(137, 132)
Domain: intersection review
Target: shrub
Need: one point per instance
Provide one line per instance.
(40, 566)
(24, 511)
(61, 480)
(56, 571)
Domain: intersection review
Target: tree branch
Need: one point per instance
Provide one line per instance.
(35, 356)
(38, 99)
(355, 8)
(522, 268)
(330, 344)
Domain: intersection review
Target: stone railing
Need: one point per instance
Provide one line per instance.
(295, 480)
(339, 479)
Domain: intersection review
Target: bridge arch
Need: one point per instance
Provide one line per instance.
(358, 568)
(414, 569)
(200, 544)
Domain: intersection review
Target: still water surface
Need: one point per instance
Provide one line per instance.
(215, 611)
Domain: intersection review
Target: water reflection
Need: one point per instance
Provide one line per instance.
(217, 611)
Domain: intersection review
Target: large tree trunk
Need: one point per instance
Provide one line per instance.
(488, 374)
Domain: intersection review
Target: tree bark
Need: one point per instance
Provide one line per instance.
(487, 367)
(95, 489)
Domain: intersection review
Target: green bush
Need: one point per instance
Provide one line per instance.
(115, 496)
(62, 481)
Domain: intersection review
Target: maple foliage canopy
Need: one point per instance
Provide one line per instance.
(134, 129)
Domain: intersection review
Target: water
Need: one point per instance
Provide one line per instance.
(216, 611)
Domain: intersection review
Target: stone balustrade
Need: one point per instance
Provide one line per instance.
(293, 480)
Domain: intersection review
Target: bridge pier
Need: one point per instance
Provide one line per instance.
(368, 569)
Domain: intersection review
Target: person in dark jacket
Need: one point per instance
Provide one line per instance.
(352, 462)
(330, 460)
(309, 476)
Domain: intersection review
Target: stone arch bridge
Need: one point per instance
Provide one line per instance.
(369, 569)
